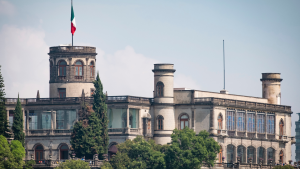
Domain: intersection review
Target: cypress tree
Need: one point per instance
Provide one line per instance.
(4, 130)
(18, 127)
(100, 109)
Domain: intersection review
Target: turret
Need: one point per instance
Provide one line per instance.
(271, 87)
(164, 120)
(72, 69)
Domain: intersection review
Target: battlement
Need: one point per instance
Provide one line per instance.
(72, 49)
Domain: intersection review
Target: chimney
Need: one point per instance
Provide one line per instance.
(271, 87)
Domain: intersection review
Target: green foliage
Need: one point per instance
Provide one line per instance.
(138, 153)
(4, 130)
(73, 164)
(189, 151)
(106, 165)
(11, 155)
(283, 167)
(18, 127)
(100, 108)
(87, 140)
(29, 164)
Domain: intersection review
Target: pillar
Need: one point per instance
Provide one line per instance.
(86, 68)
(212, 127)
(127, 124)
(54, 119)
(255, 136)
(24, 127)
(193, 119)
(140, 121)
(265, 157)
(235, 154)
(246, 114)
(235, 123)
(27, 121)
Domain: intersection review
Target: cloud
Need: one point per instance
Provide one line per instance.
(6, 8)
(126, 72)
(24, 61)
(183, 81)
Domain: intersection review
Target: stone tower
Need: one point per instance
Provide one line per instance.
(164, 120)
(72, 70)
(271, 87)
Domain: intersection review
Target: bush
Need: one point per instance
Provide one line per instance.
(73, 164)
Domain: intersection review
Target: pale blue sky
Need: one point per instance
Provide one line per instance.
(260, 36)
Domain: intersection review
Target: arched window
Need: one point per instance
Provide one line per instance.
(220, 155)
(281, 125)
(62, 68)
(64, 151)
(160, 89)
(92, 69)
(230, 153)
(241, 151)
(260, 154)
(251, 154)
(51, 68)
(281, 156)
(78, 68)
(160, 122)
(39, 152)
(184, 121)
(220, 120)
(271, 154)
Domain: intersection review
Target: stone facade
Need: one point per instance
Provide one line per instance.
(243, 126)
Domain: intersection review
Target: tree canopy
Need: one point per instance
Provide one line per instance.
(90, 134)
(138, 153)
(4, 129)
(11, 155)
(186, 150)
(73, 164)
(18, 127)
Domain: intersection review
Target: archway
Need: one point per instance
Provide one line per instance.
(39, 153)
(230, 153)
(241, 152)
(251, 154)
(64, 152)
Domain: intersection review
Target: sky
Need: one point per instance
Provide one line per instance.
(131, 36)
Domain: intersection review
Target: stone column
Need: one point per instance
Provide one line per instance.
(266, 157)
(212, 121)
(193, 118)
(235, 155)
(54, 119)
(24, 127)
(7, 115)
(255, 136)
(245, 155)
(235, 122)
(27, 121)
(266, 122)
(86, 69)
(246, 126)
(127, 124)
(140, 121)
(275, 125)
(52, 125)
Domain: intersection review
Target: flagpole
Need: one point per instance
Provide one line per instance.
(71, 21)
(224, 63)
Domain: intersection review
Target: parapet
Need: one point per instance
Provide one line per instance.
(73, 49)
(164, 67)
(271, 76)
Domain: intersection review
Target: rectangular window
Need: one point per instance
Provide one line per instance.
(65, 119)
(230, 120)
(46, 120)
(33, 120)
(80, 71)
(240, 121)
(11, 118)
(133, 118)
(250, 122)
(62, 92)
(270, 124)
(260, 123)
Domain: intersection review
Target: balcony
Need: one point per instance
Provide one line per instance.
(283, 139)
(127, 99)
(242, 104)
(46, 101)
(72, 49)
(222, 133)
(45, 132)
(123, 131)
(293, 140)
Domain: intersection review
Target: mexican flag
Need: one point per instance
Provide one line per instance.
(73, 24)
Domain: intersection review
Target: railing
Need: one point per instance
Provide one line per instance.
(61, 77)
(241, 134)
(127, 99)
(261, 136)
(81, 49)
(114, 130)
(78, 77)
(222, 132)
(63, 131)
(47, 100)
(49, 131)
(242, 104)
(231, 133)
(271, 136)
(123, 130)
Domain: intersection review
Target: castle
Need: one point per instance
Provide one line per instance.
(246, 127)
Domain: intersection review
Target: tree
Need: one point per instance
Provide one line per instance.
(18, 127)
(138, 153)
(11, 155)
(86, 138)
(100, 108)
(189, 151)
(4, 129)
(73, 164)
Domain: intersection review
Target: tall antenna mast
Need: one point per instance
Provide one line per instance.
(224, 62)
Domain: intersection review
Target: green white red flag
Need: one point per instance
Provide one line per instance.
(73, 24)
